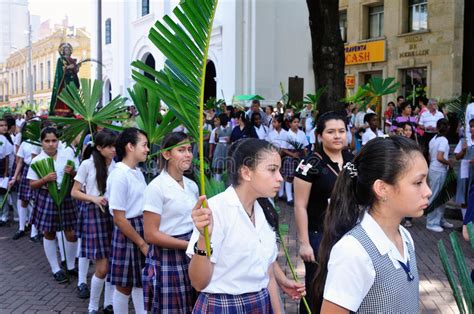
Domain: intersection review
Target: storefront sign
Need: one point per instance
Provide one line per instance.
(373, 51)
(350, 80)
(413, 49)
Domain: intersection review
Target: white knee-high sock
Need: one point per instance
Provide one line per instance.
(289, 191)
(120, 302)
(49, 247)
(83, 270)
(61, 236)
(137, 298)
(34, 231)
(108, 294)
(71, 250)
(22, 214)
(97, 285)
(282, 190)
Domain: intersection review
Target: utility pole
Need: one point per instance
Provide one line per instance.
(30, 61)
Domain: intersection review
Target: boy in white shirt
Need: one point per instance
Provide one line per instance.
(372, 131)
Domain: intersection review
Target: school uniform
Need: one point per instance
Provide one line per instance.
(290, 163)
(370, 135)
(261, 132)
(6, 153)
(242, 254)
(279, 139)
(45, 215)
(220, 152)
(125, 187)
(94, 226)
(166, 284)
(367, 273)
(25, 152)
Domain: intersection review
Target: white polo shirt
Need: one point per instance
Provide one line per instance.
(125, 188)
(279, 139)
(242, 252)
(62, 156)
(26, 150)
(262, 131)
(428, 119)
(166, 197)
(351, 272)
(87, 177)
(299, 137)
(370, 135)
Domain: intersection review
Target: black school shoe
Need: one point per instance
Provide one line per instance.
(83, 291)
(60, 276)
(18, 234)
(73, 272)
(36, 239)
(108, 309)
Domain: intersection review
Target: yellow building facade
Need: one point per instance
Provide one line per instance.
(418, 42)
(14, 84)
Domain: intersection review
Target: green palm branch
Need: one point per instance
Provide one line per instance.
(32, 132)
(458, 106)
(148, 105)
(378, 87)
(213, 103)
(314, 98)
(180, 84)
(84, 102)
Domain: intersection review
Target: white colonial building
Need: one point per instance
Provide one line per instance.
(255, 45)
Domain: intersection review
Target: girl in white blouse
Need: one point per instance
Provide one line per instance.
(125, 187)
(367, 261)
(96, 225)
(241, 275)
(169, 200)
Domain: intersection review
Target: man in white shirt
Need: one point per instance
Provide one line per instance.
(372, 131)
(428, 120)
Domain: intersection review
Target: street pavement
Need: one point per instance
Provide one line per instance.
(27, 286)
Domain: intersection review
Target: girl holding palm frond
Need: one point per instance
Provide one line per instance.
(125, 187)
(45, 214)
(168, 202)
(97, 224)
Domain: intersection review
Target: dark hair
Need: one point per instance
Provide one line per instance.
(231, 109)
(129, 135)
(10, 121)
(171, 139)
(254, 115)
(403, 105)
(391, 102)
(423, 99)
(256, 102)
(224, 119)
(369, 116)
(48, 130)
(279, 118)
(7, 135)
(380, 159)
(443, 127)
(325, 117)
(104, 138)
(404, 124)
(247, 152)
(400, 97)
(271, 107)
(471, 121)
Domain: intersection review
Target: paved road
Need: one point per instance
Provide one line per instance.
(27, 286)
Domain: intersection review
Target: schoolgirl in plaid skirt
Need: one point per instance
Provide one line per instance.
(169, 200)
(125, 187)
(95, 224)
(241, 274)
(46, 216)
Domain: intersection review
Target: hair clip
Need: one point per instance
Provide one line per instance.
(352, 169)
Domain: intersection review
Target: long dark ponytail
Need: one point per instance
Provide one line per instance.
(103, 139)
(247, 152)
(381, 159)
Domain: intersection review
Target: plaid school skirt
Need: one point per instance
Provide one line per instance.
(289, 167)
(95, 230)
(126, 261)
(45, 215)
(24, 190)
(216, 303)
(166, 284)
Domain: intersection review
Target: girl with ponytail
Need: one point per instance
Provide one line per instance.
(96, 223)
(242, 274)
(367, 260)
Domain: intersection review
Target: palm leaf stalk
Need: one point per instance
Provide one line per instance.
(448, 270)
(84, 102)
(180, 84)
(5, 198)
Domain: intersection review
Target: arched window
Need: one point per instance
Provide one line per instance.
(145, 7)
(108, 31)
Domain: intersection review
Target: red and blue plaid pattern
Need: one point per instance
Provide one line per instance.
(95, 230)
(45, 215)
(24, 190)
(126, 260)
(166, 284)
(255, 303)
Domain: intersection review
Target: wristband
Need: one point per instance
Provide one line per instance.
(200, 252)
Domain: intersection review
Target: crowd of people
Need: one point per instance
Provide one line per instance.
(351, 185)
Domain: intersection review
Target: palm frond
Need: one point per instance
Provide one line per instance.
(446, 193)
(314, 98)
(180, 84)
(213, 103)
(84, 102)
(458, 106)
(32, 132)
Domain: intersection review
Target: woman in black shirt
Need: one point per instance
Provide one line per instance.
(314, 180)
